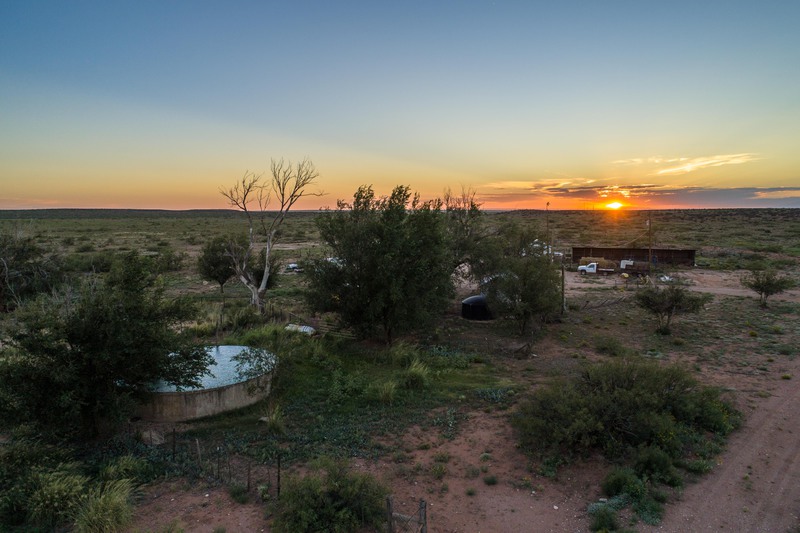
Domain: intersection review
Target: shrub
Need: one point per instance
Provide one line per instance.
(665, 303)
(331, 498)
(416, 376)
(403, 354)
(238, 493)
(273, 417)
(384, 392)
(620, 481)
(654, 463)
(126, 467)
(57, 497)
(621, 405)
(22, 461)
(604, 519)
(649, 510)
(106, 509)
(610, 346)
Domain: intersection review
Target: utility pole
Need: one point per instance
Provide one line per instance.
(547, 231)
(649, 241)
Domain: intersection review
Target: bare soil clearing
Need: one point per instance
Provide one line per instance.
(755, 487)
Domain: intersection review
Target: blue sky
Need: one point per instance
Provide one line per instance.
(159, 104)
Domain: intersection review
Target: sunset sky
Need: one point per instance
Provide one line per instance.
(158, 104)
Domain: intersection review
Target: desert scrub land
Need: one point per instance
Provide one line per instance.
(432, 417)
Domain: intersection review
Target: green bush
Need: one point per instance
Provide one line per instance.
(331, 498)
(384, 392)
(654, 463)
(610, 346)
(620, 481)
(417, 376)
(239, 493)
(604, 519)
(90, 262)
(57, 496)
(22, 460)
(619, 406)
(106, 509)
(403, 354)
(127, 467)
(649, 510)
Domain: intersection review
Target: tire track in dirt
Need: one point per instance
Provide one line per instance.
(756, 486)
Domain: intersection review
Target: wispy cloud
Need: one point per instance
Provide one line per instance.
(778, 193)
(699, 163)
(663, 166)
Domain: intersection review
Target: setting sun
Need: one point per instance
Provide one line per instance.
(614, 205)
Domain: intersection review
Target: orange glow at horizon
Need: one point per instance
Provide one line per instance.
(614, 205)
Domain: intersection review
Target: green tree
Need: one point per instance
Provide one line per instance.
(767, 283)
(389, 266)
(518, 276)
(25, 269)
(214, 263)
(80, 360)
(669, 301)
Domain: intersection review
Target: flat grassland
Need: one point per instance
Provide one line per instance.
(445, 452)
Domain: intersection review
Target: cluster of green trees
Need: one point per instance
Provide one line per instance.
(78, 359)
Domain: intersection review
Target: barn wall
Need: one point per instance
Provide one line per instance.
(669, 256)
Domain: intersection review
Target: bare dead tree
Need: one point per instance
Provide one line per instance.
(464, 217)
(253, 195)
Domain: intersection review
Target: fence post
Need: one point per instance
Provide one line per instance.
(248, 474)
(173, 444)
(389, 514)
(423, 516)
(279, 475)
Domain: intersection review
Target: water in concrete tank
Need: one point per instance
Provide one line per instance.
(224, 371)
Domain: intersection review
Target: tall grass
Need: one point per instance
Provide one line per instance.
(107, 508)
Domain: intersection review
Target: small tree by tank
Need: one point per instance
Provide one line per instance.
(214, 263)
(668, 301)
(767, 283)
(518, 275)
(287, 184)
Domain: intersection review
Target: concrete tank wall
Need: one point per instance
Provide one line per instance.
(188, 405)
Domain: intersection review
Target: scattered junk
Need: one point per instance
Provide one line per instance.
(476, 308)
(308, 330)
(293, 267)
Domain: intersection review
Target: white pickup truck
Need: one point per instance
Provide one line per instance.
(593, 268)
